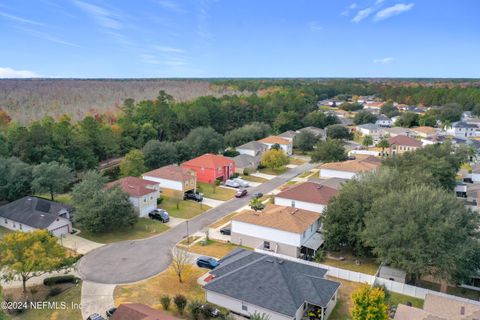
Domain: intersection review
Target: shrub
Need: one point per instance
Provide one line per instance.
(235, 175)
(320, 256)
(159, 200)
(60, 279)
(195, 308)
(207, 311)
(180, 302)
(55, 291)
(165, 301)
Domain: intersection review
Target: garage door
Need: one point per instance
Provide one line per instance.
(61, 230)
(146, 210)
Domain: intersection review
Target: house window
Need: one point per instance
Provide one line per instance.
(144, 199)
(244, 307)
(6, 221)
(14, 224)
(311, 228)
(293, 204)
(304, 234)
(21, 228)
(266, 245)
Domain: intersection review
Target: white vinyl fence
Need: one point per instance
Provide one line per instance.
(398, 287)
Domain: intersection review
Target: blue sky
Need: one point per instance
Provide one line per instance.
(239, 38)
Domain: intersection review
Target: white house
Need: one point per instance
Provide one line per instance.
(383, 121)
(307, 195)
(281, 229)
(280, 289)
(462, 129)
(285, 144)
(350, 168)
(32, 213)
(288, 135)
(252, 148)
(173, 180)
(143, 194)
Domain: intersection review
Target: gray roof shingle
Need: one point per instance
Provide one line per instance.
(272, 283)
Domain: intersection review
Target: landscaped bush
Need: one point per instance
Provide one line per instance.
(60, 279)
(207, 311)
(235, 175)
(159, 200)
(180, 302)
(55, 291)
(165, 301)
(195, 309)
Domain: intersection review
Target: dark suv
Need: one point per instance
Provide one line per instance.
(192, 195)
(159, 214)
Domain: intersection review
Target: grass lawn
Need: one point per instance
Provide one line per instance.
(367, 266)
(186, 209)
(393, 299)
(217, 193)
(65, 198)
(254, 179)
(306, 174)
(273, 172)
(456, 291)
(70, 296)
(4, 231)
(224, 220)
(215, 249)
(144, 228)
(189, 240)
(149, 291)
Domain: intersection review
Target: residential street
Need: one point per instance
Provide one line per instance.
(131, 261)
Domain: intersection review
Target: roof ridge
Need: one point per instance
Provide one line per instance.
(262, 257)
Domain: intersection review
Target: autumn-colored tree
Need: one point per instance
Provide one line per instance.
(274, 159)
(133, 164)
(369, 304)
(31, 254)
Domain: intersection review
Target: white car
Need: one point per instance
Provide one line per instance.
(231, 183)
(242, 183)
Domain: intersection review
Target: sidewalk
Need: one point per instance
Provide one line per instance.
(37, 280)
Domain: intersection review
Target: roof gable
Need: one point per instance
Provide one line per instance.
(209, 160)
(309, 192)
(171, 172)
(134, 186)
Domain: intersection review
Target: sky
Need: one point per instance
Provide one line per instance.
(239, 38)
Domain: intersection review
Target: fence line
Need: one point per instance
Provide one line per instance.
(398, 287)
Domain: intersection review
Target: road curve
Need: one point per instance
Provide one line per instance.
(131, 261)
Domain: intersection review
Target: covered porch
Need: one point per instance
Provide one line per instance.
(309, 249)
(313, 312)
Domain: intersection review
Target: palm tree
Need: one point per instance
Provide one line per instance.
(383, 144)
(256, 204)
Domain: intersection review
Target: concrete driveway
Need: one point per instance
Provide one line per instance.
(212, 202)
(174, 222)
(96, 298)
(131, 261)
(79, 244)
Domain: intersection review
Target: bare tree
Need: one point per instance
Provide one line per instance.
(180, 260)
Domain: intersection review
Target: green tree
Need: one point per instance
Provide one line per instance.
(99, 209)
(159, 153)
(287, 121)
(367, 140)
(133, 164)
(427, 232)
(389, 110)
(204, 140)
(274, 159)
(319, 119)
(305, 141)
(338, 131)
(15, 179)
(369, 304)
(351, 106)
(195, 309)
(383, 143)
(407, 120)
(31, 254)
(331, 150)
(256, 204)
(363, 117)
(51, 177)
(246, 133)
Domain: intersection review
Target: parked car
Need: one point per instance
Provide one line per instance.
(110, 312)
(241, 193)
(231, 183)
(207, 262)
(226, 231)
(242, 183)
(95, 316)
(257, 195)
(159, 214)
(193, 195)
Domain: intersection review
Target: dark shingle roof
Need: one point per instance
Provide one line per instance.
(278, 285)
(461, 124)
(32, 211)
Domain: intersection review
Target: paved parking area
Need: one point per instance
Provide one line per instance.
(96, 298)
(79, 244)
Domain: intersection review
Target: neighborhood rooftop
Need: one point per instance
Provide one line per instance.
(358, 165)
(405, 141)
(134, 186)
(274, 140)
(171, 172)
(209, 160)
(309, 192)
(256, 278)
(252, 145)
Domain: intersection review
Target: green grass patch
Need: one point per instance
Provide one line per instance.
(65, 198)
(144, 228)
(223, 220)
(215, 192)
(186, 209)
(367, 266)
(393, 299)
(70, 296)
(4, 231)
(273, 172)
(254, 179)
(213, 248)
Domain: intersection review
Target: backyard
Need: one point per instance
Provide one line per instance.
(216, 192)
(212, 248)
(144, 228)
(186, 209)
(345, 260)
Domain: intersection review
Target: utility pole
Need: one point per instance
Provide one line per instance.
(188, 235)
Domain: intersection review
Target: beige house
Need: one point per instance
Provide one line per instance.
(350, 168)
(424, 131)
(285, 144)
(401, 144)
(173, 180)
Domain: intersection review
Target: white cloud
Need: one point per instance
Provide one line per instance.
(12, 73)
(377, 2)
(346, 12)
(172, 6)
(102, 16)
(385, 60)
(362, 14)
(48, 37)
(168, 49)
(20, 19)
(314, 26)
(393, 11)
(352, 6)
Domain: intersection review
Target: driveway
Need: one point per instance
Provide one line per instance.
(212, 202)
(96, 298)
(131, 261)
(79, 244)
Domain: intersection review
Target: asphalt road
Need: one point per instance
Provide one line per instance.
(131, 261)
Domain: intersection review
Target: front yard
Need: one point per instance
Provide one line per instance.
(216, 192)
(149, 291)
(186, 209)
(254, 178)
(212, 248)
(144, 228)
(273, 172)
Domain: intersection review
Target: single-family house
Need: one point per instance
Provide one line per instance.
(398, 131)
(210, 167)
(424, 131)
(285, 144)
(475, 174)
(345, 121)
(307, 195)
(437, 307)
(350, 168)
(373, 105)
(334, 183)
(138, 311)
(317, 132)
(288, 135)
(252, 148)
(370, 129)
(246, 162)
(401, 144)
(383, 121)
(32, 213)
(173, 179)
(248, 282)
(462, 129)
(281, 229)
(143, 194)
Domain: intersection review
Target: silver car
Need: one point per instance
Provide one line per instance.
(232, 183)
(242, 183)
